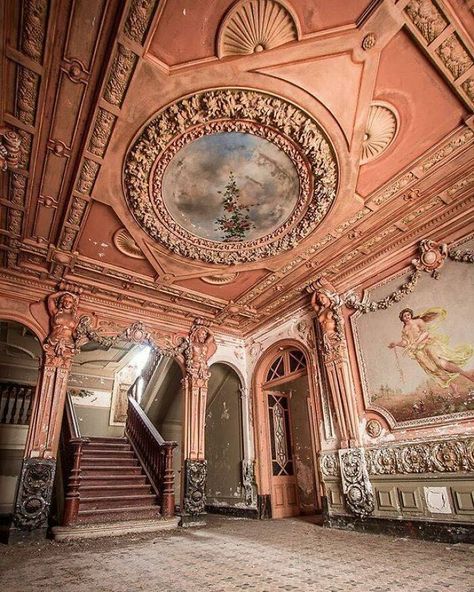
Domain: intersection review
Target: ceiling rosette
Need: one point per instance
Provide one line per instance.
(230, 176)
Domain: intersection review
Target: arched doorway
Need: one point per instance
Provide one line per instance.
(224, 443)
(20, 356)
(287, 440)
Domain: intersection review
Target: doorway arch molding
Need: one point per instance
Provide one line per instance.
(263, 470)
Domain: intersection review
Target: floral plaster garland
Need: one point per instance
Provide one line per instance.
(430, 260)
(462, 256)
(364, 306)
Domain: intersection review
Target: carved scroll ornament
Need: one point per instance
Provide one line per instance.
(356, 486)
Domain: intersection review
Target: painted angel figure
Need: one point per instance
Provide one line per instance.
(430, 349)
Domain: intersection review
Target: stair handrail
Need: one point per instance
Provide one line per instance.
(72, 444)
(154, 453)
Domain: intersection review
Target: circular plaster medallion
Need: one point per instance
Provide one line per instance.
(230, 175)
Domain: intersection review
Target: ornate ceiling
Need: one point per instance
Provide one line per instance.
(183, 158)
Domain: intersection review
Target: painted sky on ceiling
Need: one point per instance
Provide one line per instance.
(230, 186)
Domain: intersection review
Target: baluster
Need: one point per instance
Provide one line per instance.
(7, 391)
(15, 404)
(29, 406)
(2, 401)
(21, 413)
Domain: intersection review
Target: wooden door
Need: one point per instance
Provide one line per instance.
(284, 489)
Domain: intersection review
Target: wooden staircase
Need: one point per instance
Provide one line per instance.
(113, 485)
(116, 480)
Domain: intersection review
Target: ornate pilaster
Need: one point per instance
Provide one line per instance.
(356, 485)
(201, 346)
(37, 476)
(328, 304)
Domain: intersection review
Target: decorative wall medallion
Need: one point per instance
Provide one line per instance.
(125, 243)
(218, 280)
(256, 25)
(381, 129)
(373, 428)
(236, 143)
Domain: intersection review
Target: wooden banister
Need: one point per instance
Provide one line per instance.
(155, 454)
(71, 445)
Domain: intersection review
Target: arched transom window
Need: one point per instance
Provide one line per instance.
(287, 363)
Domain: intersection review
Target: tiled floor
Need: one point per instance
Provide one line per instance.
(230, 555)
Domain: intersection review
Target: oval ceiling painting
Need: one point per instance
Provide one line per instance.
(230, 187)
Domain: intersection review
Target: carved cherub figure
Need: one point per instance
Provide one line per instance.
(202, 347)
(326, 302)
(62, 308)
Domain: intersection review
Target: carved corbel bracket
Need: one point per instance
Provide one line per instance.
(10, 149)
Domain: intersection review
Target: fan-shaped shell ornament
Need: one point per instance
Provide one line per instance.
(256, 25)
(125, 243)
(382, 127)
(226, 278)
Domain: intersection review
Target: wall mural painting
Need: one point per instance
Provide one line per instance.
(230, 186)
(418, 357)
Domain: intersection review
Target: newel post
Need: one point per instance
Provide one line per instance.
(201, 346)
(71, 503)
(167, 497)
(35, 488)
(355, 483)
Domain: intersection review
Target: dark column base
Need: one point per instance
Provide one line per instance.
(432, 531)
(35, 492)
(194, 506)
(264, 506)
(10, 535)
(190, 520)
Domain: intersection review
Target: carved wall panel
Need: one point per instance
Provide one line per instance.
(443, 40)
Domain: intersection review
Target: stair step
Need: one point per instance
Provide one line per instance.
(116, 501)
(112, 480)
(106, 470)
(107, 446)
(87, 491)
(121, 440)
(88, 453)
(137, 513)
(109, 460)
(112, 528)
